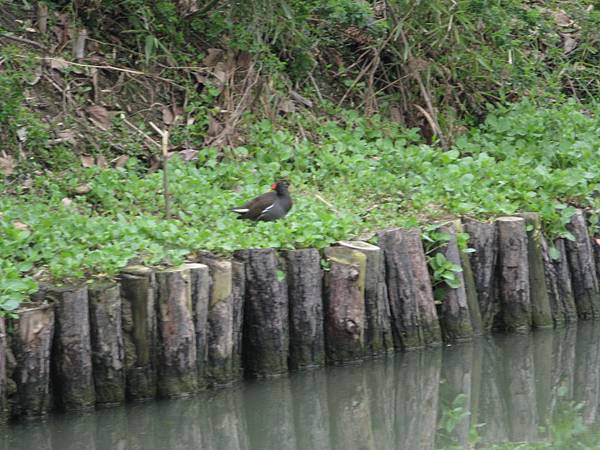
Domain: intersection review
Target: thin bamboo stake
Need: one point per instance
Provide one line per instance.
(165, 158)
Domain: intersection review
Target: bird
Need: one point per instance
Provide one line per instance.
(270, 206)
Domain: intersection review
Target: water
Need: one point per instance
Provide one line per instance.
(500, 389)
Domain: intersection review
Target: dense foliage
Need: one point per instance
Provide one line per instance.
(360, 175)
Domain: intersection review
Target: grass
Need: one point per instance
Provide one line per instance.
(370, 173)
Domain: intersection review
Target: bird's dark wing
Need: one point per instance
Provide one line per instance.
(254, 208)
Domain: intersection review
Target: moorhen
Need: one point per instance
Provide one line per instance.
(270, 206)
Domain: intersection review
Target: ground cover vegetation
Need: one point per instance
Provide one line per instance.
(380, 114)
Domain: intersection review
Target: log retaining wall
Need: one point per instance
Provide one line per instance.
(172, 332)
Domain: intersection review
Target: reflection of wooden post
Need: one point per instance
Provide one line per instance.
(138, 293)
(344, 304)
(107, 343)
(304, 277)
(543, 360)
(514, 274)
(587, 370)
(266, 328)
(583, 273)
(177, 369)
(563, 365)
(31, 342)
(455, 318)
(483, 239)
(492, 403)
(311, 411)
(73, 380)
(414, 317)
(378, 325)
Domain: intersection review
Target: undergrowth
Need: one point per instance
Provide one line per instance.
(361, 174)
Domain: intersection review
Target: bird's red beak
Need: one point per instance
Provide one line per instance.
(274, 186)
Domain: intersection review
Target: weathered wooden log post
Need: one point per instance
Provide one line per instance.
(514, 274)
(200, 291)
(219, 366)
(455, 317)
(305, 279)
(106, 330)
(583, 273)
(73, 379)
(378, 324)
(238, 293)
(177, 369)
(266, 328)
(138, 293)
(414, 317)
(483, 238)
(541, 312)
(3, 373)
(470, 286)
(31, 344)
(558, 282)
(344, 305)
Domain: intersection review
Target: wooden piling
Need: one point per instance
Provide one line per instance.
(305, 280)
(238, 292)
(3, 373)
(583, 273)
(513, 270)
(72, 372)
(541, 312)
(106, 332)
(378, 324)
(31, 344)
(344, 305)
(414, 317)
(558, 282)
(483, 238)
(266, 329)
(470, 286)
(219, 366)
(455, 318)
(200, 292)
(138, 293)
(177, 368)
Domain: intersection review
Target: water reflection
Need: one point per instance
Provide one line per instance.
(495, 390)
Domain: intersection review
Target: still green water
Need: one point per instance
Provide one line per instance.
(541, 389)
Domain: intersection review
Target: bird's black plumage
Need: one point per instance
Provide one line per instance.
(269, 206)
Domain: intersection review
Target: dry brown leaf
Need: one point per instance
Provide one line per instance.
(57, 63)
(87, 161)
(67, 202)
(287, 106)
(20, 226)
(189, 154)
(83, 189)
(66, 136)
(154, 164)
(121, 161)
(243, 60)
(22, 134)
(167, 115)
(7, 164)
(562, 19)
(99, 116)
(214, 56)
(214, 127)
(101, 161)
(569, 43)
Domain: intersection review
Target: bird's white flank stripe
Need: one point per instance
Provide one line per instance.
(266, 209)
(240, 210)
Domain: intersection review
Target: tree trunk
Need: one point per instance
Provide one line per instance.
(238, 279)
(31, 344)
(305, 280)
(177, 369)
(219, 367)
(541, 313)
(73, 377)
(470, 287)
(108, 355)
(200, 290)
(344, 305)
(583, 272)
(414, 317)
(3, 373)
(266, 329)
(138, 293)
(455, 319)
(558, 281)
(483, 238)
(514, 274)
(378, 325)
